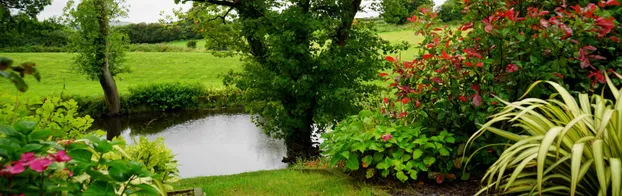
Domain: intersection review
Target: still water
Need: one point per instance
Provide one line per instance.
(206, 143)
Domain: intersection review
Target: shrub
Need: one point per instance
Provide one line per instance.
(53, 114)
(567, 146)
(166, 96)
(156, 48)
(373, 144)
(156, 157)
(499, 52)
(31, 165)
(192, 44)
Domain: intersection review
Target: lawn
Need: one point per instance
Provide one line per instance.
(56, 72)
(278, 182)
(147, 67)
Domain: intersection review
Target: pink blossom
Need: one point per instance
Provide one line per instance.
(477, 100)
(61, 156)
(40, 164)
(511, 68)
(16, 168)
(27, 157)
(386, 137)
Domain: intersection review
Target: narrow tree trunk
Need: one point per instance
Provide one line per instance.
(105, 78)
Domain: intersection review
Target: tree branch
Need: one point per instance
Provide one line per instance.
(223, 17)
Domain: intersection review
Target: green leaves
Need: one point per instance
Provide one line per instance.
(353, 162)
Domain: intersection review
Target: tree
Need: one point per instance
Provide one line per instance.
(100, 51)
(305, 63)
(451, 10)
(396, 11)
(28, 7)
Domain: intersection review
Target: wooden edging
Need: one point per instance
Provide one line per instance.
(344, 176)
(196, 191)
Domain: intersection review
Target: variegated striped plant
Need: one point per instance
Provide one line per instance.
(568, 146)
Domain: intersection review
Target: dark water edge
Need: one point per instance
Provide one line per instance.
(206, 143)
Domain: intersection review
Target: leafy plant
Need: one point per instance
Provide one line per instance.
(31, 165)
(10, 72)
(192, 44)
(156, 157)
(166, 96)
(372, 143)
(567, 146)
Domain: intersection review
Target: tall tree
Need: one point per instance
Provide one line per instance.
(100, 50)
(306, 62)
(396, 11)
(451, 10)
(28, 7)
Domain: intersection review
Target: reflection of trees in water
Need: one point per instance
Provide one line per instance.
(150, 123)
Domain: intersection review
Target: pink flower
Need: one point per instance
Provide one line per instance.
(61, 156)
(511, 68)
(69, 172)
(40, 164)
(16, 168)
(27, 157)
(386, 137)
(477, 100)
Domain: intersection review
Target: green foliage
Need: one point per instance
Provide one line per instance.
(373, 144)
(396, 11)
(38, 49)
(143, 33)
(53, 114)
(31, 165)
(15, 74)
(156, 157)
(84, 17)
(157, 48)
(450, 11)
(27, 32)
(566, 146)
(192, 44)
(166, 96)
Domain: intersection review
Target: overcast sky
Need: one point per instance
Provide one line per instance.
(147, 10)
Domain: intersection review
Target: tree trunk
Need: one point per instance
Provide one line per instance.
(105, 78)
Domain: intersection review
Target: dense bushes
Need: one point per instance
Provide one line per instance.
(157, 33)
(166, 96)
(25, 31)
(191, 44)
(372, 144)
(157, 48)
(159, 97)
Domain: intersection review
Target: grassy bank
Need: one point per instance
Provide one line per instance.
(278, 182)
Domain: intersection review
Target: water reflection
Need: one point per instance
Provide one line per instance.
(206, 143)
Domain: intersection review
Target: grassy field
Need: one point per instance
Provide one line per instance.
(56, 72)
(147, 67)
(277, 182)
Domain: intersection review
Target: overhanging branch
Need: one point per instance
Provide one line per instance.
(223, 17)
(220, 2)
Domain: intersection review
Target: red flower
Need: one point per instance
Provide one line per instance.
(462, 98)
(61, 156)
(437, 80)
(466, 26)
(583, 56)
(402, 115)
(479, 64)
(477, 100)
(16, 168)
(511, 68)
(472, 53)
(608, 3)
(386, 100)
(412, 19)
(390, 59)
(605, 25)
(405, 100)
(383, 74)
(558, 75)
(427, 56)
(445, 55)
(488, 24)
(598, 77)
(567, 31)
(386, 137)
(439, 179)
(40, 164)
(475, 87)
(417, 104)
(544, 23)
(615, 39)
(494, 103)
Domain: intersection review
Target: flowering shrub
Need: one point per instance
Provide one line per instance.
(502, 48)
(31, 165)
(373, 144)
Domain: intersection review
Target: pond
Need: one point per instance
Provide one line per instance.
(205, 143)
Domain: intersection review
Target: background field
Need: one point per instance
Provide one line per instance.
(147, 67)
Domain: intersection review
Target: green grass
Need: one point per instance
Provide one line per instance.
(147, 67)
(182, 43)
(56, 72)
(277, 182)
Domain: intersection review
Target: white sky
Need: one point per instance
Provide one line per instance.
(148, 10)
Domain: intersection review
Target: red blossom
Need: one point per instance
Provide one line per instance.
(402, 115)
(605, 25)
(597, 77)
(27, 157)
(417, 104)
(386, 100)
(16, 168)
(567, 31)
(405, 100)
(383, 74)
(437, 80)
(390, 59)
(427, 56)
(472, 53)
(511, 68)
(475, 87)
(445, 55)
(462, 98)
(544, 23)
(608, 3)
(412, 19)
(583, 56)
(479, 64)
(466, 26)
(494, 103)
(615, 39)
(439, 179)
